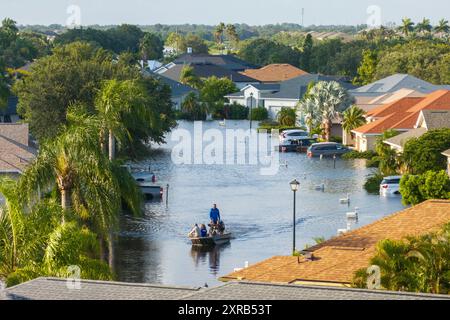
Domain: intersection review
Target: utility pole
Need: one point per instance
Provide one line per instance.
(303, 17)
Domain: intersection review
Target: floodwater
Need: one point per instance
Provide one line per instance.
(258, 210)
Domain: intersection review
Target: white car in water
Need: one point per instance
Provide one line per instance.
(290, 135)
(390, 186)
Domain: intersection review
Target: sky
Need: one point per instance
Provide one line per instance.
(252, 12)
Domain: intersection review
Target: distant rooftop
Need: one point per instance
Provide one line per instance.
(229, 62)
(275, 73)
(397, 82)
(56, 289)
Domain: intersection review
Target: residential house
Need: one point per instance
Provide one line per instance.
(428, 120)
(372, 95)
(447, 154)
(206, 70)
(401, 115)
(288, 94)
(227, 61)
(9, 113)
(179, 91)
(274, 73)
(334, 262)
(16, 151)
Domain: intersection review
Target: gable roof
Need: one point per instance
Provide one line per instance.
(206, 71)
(434, 119)
(400, 140)
(336, 260)
(229, 62)
(404, 113)
(178, 89)
(446, 153)
(274, 73)
(397, 82)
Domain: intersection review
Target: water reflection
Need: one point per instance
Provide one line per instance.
(208, 255)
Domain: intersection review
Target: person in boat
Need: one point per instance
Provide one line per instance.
(203, 231)
(195, 232)
(214, 215)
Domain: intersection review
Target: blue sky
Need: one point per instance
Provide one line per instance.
(254, 12)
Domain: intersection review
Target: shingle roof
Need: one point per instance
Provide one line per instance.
(401, 139)
(56, 289)
(436, 119)
(396, 82)
(336, 260)
(274, 73)
(206, 71)
(15, 152)
(178, 89)
(229, 62)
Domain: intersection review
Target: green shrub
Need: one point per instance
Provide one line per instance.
(369, 155)
(373, 182)
(236, 112)
(418, 188)
(336, 139)
(259, 114)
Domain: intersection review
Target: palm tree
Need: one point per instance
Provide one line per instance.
(407, 26)
(442, 27)
(387, 157)
(189, 78)
(115, 100)
(84, 177)
(353, 118)
(34, 242)
(308, 111)
(330, 99)
(232, 33)
(424, 26)
(219, 32)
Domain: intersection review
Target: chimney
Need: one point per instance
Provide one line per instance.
(189, 50)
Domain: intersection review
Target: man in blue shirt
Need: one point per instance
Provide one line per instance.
(214, 215)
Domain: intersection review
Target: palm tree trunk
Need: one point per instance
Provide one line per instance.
(111, 251)
(112, 146)
(65, 201)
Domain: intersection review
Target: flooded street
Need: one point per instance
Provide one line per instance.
(256, 208)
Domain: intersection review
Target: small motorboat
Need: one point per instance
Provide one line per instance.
(216, 240)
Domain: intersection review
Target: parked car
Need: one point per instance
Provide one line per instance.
(390, 186)
(327, 149)
(289, 135)
(300, 145)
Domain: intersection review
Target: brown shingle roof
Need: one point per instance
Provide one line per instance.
(275, 73)
(15, 152)
(336, 260)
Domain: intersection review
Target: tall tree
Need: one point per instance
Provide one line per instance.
(353, 118)
(331, 99)
(424, 26)
(188, 77)
(367, 69)
(407, 26)
(151, 47)
(218, 34)
(232, 34)
(442, 27)
(306, 48)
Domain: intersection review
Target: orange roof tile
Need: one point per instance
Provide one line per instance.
(403, 114)
(336, 260)
(274, 73)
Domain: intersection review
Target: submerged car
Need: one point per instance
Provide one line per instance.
(327, 149)
(300, 145)
(390, 186)
(288, 135)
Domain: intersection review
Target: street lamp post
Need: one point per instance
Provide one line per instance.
(251, 108)
(294, 187)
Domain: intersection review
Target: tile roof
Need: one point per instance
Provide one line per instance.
(404, 113)
(274, 73)
(336, 260)
(56, 289)
(15, 151)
